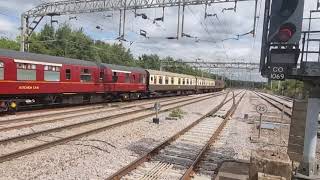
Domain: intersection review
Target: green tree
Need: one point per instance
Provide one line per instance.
(9, 44)
(67, 42)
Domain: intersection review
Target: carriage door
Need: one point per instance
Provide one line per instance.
(1, 70)
(102, 75)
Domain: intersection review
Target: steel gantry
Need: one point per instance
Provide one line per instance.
(31, 19)
(224, 65)
(89, 6)
(224, 69)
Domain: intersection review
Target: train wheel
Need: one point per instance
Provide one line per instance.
(125, 97)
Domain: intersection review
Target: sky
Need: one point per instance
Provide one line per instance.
(217, 36)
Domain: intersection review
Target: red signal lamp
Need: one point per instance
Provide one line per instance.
(286, 32)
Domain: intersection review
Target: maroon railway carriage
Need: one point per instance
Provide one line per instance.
(35, 78)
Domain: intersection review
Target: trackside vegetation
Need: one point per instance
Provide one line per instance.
(65, 41)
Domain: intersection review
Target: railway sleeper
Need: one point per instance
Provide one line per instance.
(175, 160)
(178, 152)
(209, 166)
(207, 172)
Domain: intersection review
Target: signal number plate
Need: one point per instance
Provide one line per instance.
(278, 73)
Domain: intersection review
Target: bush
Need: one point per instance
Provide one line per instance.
(177, 113)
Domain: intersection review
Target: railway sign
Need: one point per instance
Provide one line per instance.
(261, 108)
(281, 62)
(278, 73)
(157, 106)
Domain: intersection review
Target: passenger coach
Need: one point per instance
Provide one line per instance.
(160, 82)
(35, 78)
(28, 78)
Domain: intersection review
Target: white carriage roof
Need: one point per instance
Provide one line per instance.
(164, 73)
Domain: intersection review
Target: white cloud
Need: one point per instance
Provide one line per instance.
(228, 25)
(7, 28)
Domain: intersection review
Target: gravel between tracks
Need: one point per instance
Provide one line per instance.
(99, 155)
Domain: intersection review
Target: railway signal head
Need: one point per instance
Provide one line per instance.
(286, 21)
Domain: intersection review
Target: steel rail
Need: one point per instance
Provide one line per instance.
(147, 156)
(214, 137)
(30, 118)
(77, 115)
(47, 145)
(271, 96)
(289, 99)
(274, 103)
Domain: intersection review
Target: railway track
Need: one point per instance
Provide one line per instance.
(80, 130)
(277, 104)
(85, 111)
(177, 157)
(285, 98)
(29, 122)
(44, 107)
(282, 100)
(287, 110)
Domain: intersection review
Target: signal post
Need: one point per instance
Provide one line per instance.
(309, 164)
(280, 55)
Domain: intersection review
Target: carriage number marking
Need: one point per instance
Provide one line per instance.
(29, 87)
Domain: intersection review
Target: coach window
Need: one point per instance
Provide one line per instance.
(155, 80)
(133, 78)
(160, 79)
(26, 72)
(167, 80)
(179, 81)
(114, 77)
(1, 71)
(68, 74)
(101, 75)
(127, 80)
(172, 80)
(142, 79)
(51, 73)
(183, 81)
(85, 75)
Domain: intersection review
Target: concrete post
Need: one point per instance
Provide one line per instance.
(310, 140)
(23, 32)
